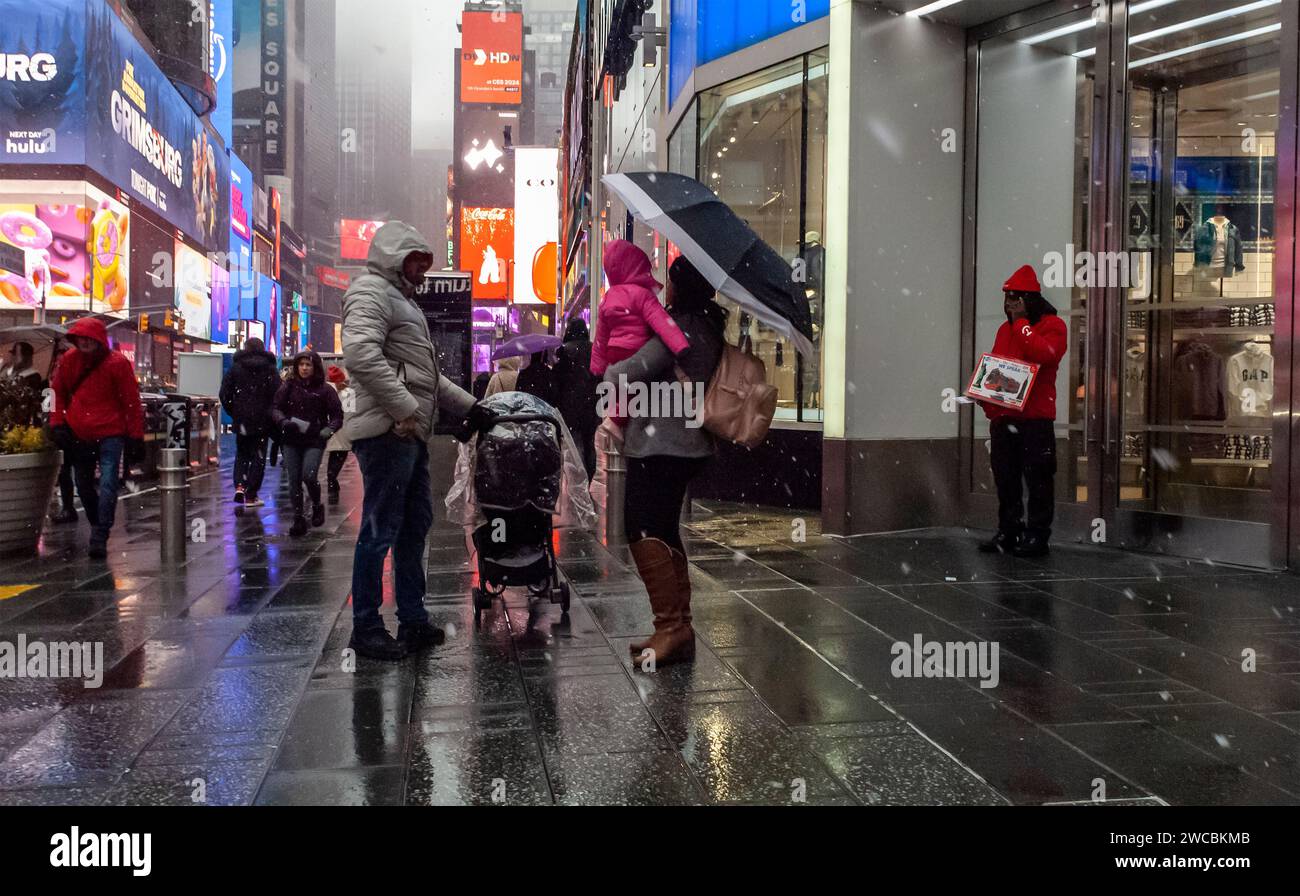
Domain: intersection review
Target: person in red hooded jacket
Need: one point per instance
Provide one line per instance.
(97, 418)
(1023, 451)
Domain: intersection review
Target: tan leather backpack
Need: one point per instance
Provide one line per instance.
(739, 402)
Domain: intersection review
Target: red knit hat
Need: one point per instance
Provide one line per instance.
(1023, 280)
(336, 375)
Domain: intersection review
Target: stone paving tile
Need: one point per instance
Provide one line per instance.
(232, 668)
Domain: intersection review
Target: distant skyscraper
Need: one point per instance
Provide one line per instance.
(373, 78)
(318, 208)
(429, 197)
(550, 25)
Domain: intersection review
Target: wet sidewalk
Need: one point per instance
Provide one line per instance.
(1119, 677)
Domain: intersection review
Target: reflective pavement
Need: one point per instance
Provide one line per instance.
(1119, 677)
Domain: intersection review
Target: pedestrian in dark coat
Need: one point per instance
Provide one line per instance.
(248, 393)
(537, 379)
(575, 391)
(308, 412)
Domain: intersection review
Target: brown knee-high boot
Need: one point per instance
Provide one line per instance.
(673, 640)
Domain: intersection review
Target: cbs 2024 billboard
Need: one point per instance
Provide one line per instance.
(492, 57)
(76, 88)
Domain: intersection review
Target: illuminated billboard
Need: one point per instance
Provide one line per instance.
(484, 170)
(487, 246)
(355, 238)
(492, 58)
(193, 272)
(537, 224)
(76, 247)
(90, 94)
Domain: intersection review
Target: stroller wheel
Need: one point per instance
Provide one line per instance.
(564, 597)
(482, 600)
(478, 617)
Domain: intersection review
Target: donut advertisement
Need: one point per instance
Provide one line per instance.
(77, 248)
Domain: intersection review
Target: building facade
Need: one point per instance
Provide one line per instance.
(1141, 155)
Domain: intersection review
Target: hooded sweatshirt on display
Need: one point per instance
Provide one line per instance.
(630, 313)
(1044, 344)
(107, 403)
(312, 400)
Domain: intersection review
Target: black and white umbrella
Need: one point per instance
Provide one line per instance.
(722, 247)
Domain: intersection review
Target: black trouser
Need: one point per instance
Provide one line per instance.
(652, 505)
(336, 461)
(587, 445)
(65, 483)
(250, 463)
(1024, 451)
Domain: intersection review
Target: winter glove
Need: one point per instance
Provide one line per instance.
(477, 421)
(327, 433)
(63, 437)
(134, 451)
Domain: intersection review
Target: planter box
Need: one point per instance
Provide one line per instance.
(26, 485)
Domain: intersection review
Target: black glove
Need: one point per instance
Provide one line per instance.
(63, 436)
(134, 451)
(478, 420)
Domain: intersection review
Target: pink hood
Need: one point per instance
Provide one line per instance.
(627, 265)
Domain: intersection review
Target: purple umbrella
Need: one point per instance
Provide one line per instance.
(530, 344)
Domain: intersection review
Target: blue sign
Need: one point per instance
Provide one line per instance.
(704, 30)
(241, 221)
(43, 90)
(84, 92)
(221, 14)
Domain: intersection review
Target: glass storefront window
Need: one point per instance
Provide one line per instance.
(1204, 100)
(762, 148)
(1034, 178)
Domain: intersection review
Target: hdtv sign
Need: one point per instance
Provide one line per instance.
(492, 60)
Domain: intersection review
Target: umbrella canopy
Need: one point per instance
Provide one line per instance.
(527, 345)
(33, 333)
(722, 247)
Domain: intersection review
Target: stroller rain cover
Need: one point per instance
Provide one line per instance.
(516, 465)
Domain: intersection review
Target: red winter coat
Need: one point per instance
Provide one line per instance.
(107, 403)
(1043, 344)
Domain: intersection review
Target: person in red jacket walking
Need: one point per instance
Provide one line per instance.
(96, 419)
(1023, 452)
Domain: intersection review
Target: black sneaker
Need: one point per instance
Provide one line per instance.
(299, 527)
(239, 495)
(377, 644)
(318, 515)
(420, 636)
(1031, 546)
(1001, 543)
(64, 517)
(98, 550)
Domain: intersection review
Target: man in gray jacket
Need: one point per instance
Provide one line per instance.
(398, 392)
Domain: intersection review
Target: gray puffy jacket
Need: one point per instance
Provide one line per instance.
(386, 346)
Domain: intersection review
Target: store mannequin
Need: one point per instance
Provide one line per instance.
(1218, 252)
(1251, 368)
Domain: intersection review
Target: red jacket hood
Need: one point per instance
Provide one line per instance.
(627, 265)
(90, 328)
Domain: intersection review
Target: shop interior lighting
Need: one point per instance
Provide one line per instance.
(932, 7)
(1217, 42)
(1137, 9)
(1191, 23)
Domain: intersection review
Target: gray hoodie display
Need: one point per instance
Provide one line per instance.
(389, 355)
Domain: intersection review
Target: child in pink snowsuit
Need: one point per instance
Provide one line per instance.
(630, 314)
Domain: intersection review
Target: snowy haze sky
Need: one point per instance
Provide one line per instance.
(434, 35)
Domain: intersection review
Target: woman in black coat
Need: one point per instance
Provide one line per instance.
(575, 391)
(307, 411)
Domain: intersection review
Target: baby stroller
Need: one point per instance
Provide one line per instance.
(511, 486)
